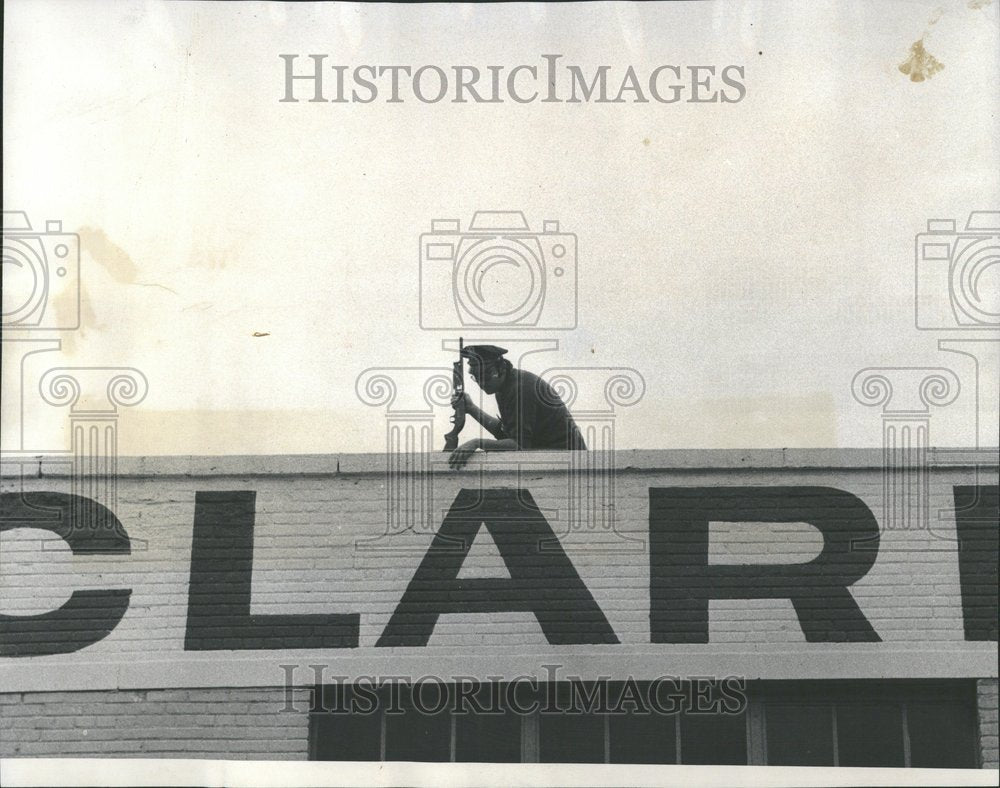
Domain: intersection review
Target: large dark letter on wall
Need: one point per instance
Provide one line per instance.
(977, 514)
(219, 594)
(542, 580)
(87, 616)
(682, 582)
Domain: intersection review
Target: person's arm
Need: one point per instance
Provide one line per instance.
(519, 436)
(490, 423)
(460, 456)
(503, 444)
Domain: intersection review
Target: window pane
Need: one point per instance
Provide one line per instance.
(488, 737)
(415, 735)
(870, 735)
(716, 738)
(638, 737)
(643, 738)
(799, 735)
(341, 734)
(346, 737)
(942, 735)
(571, 738)
(570, 733)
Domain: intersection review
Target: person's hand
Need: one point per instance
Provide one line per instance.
(461, 455)
(464, 398)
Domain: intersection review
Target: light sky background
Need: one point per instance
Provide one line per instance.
(747, 259)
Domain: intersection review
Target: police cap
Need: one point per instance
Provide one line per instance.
(483, 354)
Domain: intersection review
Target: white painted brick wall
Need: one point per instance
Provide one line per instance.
(989, 743)
(312, 516)
(203, 723)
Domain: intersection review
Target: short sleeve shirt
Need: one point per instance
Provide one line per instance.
(533, 414)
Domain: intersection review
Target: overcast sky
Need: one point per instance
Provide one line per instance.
(747, 259)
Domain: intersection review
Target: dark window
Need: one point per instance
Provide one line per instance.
(418, 733)
(714, 738)
(799, 734)
(942, 735)
(636, 737)
(340, 737)
(568, 731)
(341, 734)
(792, 723)
(870, 735)
(488, 737)
(878, 723)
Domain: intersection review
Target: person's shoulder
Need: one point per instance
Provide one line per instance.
(538, 387)
(529, 380)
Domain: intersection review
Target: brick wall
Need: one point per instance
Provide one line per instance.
(203, 723)
(989, 745)
(336, 535)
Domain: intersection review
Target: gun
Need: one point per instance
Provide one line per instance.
(458, 393)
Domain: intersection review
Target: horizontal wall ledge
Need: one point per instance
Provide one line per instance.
(23, 464)
(640, 661)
